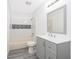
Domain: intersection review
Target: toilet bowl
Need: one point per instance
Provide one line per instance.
(31, 45)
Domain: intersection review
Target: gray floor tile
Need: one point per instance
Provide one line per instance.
(20, 54)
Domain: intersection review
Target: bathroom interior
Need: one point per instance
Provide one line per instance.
(39, 29)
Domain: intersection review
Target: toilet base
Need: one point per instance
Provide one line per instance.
(31, 50)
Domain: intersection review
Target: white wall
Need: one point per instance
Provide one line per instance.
(8, 27)
(41, 19)
(19, 18)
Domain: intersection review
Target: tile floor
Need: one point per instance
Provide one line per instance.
(20, 54)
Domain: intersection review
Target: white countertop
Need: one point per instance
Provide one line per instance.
(56, 39)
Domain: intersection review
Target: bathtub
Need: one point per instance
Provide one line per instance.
(19, 39)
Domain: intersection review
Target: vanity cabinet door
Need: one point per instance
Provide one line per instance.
(50, 46)
(50, 55)
(40, 48)
(50, 50)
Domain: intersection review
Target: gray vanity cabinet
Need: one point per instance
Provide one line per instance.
(40, 48)
(51, 50)
(57, 51)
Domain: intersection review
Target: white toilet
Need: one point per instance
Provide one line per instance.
(31, 45)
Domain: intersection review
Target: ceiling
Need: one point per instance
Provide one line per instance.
(19, 6)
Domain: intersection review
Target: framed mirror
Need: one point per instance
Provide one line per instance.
(56, 21)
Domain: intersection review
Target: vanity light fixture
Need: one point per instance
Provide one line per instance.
(53, 3)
